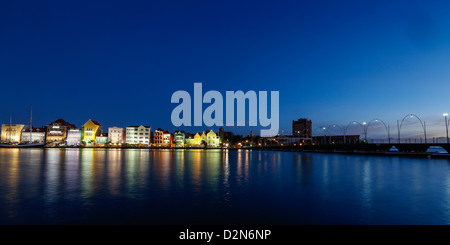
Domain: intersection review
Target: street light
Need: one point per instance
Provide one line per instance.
(385, 126)
(422, 123)
(446, 124)
(362, 125)
(324, 135)
(324, 132)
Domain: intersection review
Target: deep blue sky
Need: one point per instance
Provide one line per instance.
(119, 62)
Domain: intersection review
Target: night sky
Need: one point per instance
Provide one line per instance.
(118, 62)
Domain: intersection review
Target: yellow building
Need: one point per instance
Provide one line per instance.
(89, 131)
(197, 139)
(193, 141)
(203, 139)
(189, 142)
(212, 140)
(12, 133)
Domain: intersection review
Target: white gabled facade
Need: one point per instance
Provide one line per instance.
(116, 136)
(138, 135)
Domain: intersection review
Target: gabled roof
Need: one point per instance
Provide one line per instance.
(64, 123)
(95, 122)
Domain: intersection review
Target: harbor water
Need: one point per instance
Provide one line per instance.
(214, 186)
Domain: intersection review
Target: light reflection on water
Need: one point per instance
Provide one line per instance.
(138, 186)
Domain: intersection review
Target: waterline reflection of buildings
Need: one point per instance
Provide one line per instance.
(86, 174)
(196, 170)
(53, 180)
(326, 176)
(115, 158)
(226, 178)
(367, 198)
(135, 171)
(72, 167)
(212, 168)
(180, 172)
(179, 168)
(160, 169)
(242, 166)
(303, 166)
(10, 162)
(204, 174)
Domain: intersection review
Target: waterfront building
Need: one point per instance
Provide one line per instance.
(225, 137)
(158, 137)
(37, 135)
(302, 128)
(197, 139)
(138, 135)
(192, 140)
(163, 138)
(167, 139)
(189, 142)
(89, 131)
(212, 140)
(116, 136)
(188, 139)
(203, 139)
(57, 132)
(73, 137)
(12, 133)
(101, 140)
(179, 138)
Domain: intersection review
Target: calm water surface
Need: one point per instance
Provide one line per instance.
(133, 186)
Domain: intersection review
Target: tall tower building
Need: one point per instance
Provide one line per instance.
(302, 128)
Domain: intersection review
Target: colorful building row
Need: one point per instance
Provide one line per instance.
(62, 133)
(208, 139)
